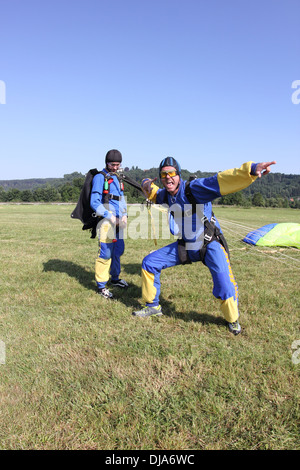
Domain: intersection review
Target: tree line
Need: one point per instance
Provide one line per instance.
(277, 190)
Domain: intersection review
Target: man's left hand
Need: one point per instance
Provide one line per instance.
(123, 222)
(263, 168)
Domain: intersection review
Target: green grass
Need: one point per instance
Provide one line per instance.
(82, 373)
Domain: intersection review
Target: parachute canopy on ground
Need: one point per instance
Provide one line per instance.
(283, 234)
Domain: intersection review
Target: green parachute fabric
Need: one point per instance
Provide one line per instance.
(283, 234)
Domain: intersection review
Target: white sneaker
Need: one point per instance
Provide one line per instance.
(105, 293)
(119, 283)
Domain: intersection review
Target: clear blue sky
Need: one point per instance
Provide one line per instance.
(207, 82)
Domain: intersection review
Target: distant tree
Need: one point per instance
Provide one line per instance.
(2, 194)
(238, 199)
(51, 194)
(13, 195)
(272, 202)
(258, 200)
(38, 194)
(69, 193)
(78, 182)
(26, 196)
(282, 201)
(72, 176)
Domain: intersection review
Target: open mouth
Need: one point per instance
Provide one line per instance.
(169, 184)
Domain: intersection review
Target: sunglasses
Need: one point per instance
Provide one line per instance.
(171, 174)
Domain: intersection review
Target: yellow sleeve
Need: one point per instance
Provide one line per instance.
(152, 195)
(231, 181)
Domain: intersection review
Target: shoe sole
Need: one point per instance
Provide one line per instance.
(159, 314)
(104, 296)
(117, 284)
(235, 332)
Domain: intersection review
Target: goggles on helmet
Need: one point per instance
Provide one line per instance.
(171, 174)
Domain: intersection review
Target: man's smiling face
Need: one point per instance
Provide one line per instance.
(171, 183)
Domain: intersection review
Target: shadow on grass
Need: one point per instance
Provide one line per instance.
(168, 308)
(87, 279)
(191, 316)
(84, 277)
(132, 268)
(127, 296)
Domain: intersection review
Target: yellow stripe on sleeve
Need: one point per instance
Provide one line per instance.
(231, 181)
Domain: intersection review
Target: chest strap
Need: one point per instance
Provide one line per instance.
(108, 179)
(114, 197)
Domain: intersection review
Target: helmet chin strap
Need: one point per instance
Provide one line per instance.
(178, 186)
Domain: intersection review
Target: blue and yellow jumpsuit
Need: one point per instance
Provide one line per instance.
(111, 243)
(204, 190)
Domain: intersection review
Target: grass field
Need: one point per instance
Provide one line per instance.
(81, 372)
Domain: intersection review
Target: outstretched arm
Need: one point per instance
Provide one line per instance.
(231, 181)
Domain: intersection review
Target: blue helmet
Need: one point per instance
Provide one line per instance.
(170, 161)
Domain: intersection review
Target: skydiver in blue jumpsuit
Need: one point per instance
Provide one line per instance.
(190, 229)
(114, 218)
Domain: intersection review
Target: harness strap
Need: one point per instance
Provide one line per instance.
(182, 252)
(108, 179)
(114, 197)
(211, 233)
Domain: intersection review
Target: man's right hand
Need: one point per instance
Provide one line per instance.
(114, 220)
(146, 186)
